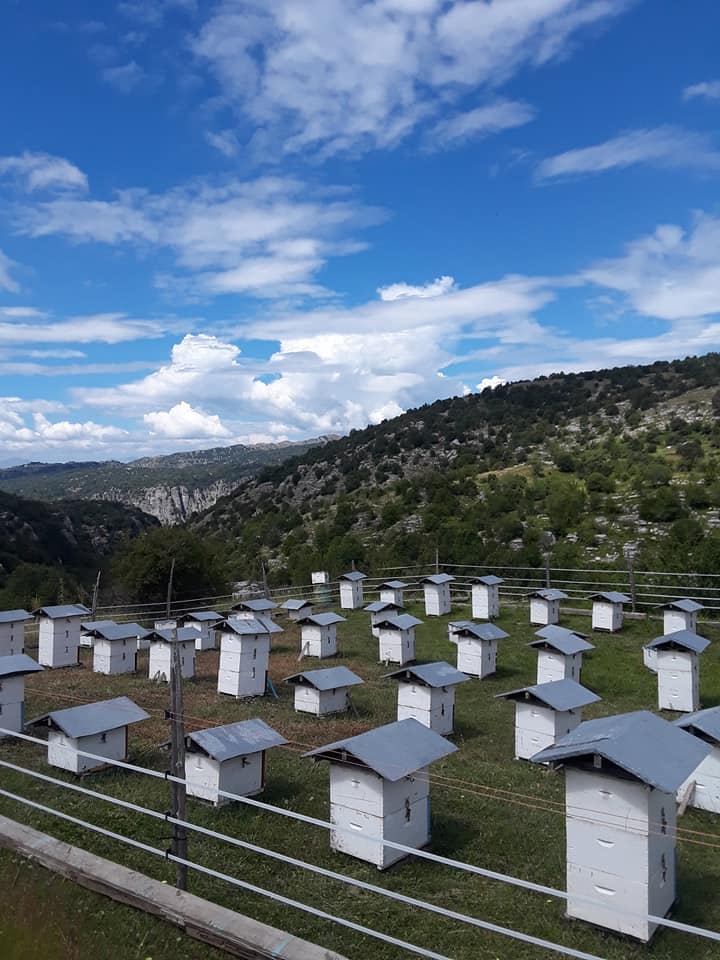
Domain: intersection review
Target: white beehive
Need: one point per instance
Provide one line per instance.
(702, 787)
(396, 640)
(351, 590)
(485, 596)
(607, 610)
(245, 656)
(228, 759)
(115, 649)
(436, 588)
(379, 789)
(379, 610)
(545, 606)
(297, 609)
(100, 729)
(59, 634)
(203, 622)
(621, 858)
(318, 634)
(12, 690)
(678, 670)
(680, 615)
(426, 693)
(257, 607)
(393, 591)
(161, 653)
(559, 653)
(12, 632)
(477, 645)
(545, 712)
(321, 692)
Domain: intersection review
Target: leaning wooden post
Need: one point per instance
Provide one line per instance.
(96, 590)
(177, 765)
(629, 556)
(168, 600)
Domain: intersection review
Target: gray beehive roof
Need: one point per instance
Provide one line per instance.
(703, 723)
(14, 616)
(247, 626)
(378, 606)
(394, 585)
(560, 695)
(561, 639)
(322, 619)
(437, 578)
(258, 605)
(548, 594)
(438, 674)
(293, 604)
(17, 664)
(687, 606)
(332, 678)
(202, 616)
(610, 596)
(115, 631)
(476, 631)
(92, 718)
(645, 746)
(181, 635)
(353, 575)
(489, 580)
(393, 751)
(679, 640)
(234, 739)
(62, 611)
(399, 621)
(89, 626)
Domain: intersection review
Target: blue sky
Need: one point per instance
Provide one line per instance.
(256, 220)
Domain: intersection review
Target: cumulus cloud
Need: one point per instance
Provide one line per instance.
(669, 147)
(399, 291)
(349, 74)
(183, 421)
(706, 90)
(490, 382)
(42, 171)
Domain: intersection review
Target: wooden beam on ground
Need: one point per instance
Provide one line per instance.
(238, 935)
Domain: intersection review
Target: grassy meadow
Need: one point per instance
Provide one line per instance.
(487, 808)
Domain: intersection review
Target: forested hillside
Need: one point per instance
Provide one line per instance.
(578, 464)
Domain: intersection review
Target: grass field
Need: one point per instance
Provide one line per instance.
(521, 834)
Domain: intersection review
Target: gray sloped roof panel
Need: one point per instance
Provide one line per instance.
(438, 674)
(202, 616)
(393, 751)
(322, 619)
(399, 621)
(437, 578)
(14, 616)
(116, 631)
(89, 626)
(181, 635)
(294, 604)
(353, 575)
(17, 664)
(466, 629)
(394, 585)
(92, 718)
(257, 605)
(560, 695)
(644, 745)
(686, 605)
(679, 640)
(489, 580)
(249, 626)
(610, 596)
(331, 678)
(705, 723)
(235, 739)
(62, 611)
(561, 639)
(548, 594)
(378, 606)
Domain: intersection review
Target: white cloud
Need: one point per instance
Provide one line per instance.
(480, 122)
(265, 236)
(184, 422)
(224, 141)
(672, 274)
(42, 171)
(490, 382)
(669, 147)
(365, 73)
(707, 90)
(125, 77)
(7, 281)
(399, 291)
(34, 327)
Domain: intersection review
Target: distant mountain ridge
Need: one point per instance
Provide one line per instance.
(170, 488)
